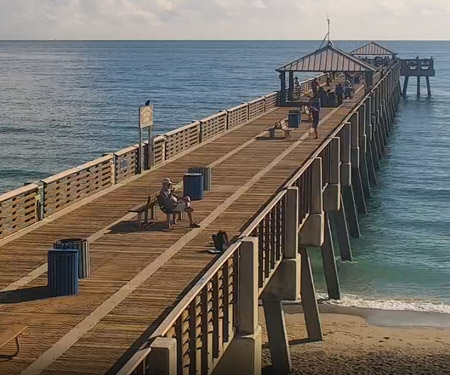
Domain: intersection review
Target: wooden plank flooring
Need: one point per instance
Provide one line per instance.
(140, 275)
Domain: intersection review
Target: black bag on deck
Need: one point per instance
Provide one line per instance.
(220, 240)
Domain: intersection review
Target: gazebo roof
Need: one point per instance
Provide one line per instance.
(373, 49)
(327, 59)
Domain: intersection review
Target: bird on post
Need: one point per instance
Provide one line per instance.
(147, 103)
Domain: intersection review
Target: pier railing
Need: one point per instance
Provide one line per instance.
(60, 191)
(205, 320)
(18, 209)
(73, 185)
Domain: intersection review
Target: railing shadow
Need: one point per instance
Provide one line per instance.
(25, 295)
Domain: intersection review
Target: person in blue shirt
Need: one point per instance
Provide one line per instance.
(340, 93)
(315, 119)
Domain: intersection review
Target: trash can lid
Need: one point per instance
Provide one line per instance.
(69, 240)
(64, 251)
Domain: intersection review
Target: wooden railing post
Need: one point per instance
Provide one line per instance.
(332, 193)
(162, 358)
(312, 232)
(285, 283)
(243, 355)
(248, 287)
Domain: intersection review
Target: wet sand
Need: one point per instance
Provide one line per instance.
(353, 346)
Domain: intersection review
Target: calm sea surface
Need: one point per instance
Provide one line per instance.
(65, 103)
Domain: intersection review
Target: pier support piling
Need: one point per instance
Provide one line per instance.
(358, 192)
(405, 85)
(277, 334)
(364, 168)
(375, 154)
(371, 166)
(428, 85)
(418, 85)
(350, 210)
(329, 262)
(309, 299)
(340, 220)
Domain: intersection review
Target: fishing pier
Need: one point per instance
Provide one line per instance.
(156, 301)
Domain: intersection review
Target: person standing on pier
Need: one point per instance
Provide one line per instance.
(340, 93)
(314, 86)
(315, 119)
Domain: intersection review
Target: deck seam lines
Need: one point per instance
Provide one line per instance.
(89, 322)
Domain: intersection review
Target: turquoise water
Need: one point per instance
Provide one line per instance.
(65, 103)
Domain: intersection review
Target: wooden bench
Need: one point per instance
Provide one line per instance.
(10, 333)
(280, 125)
(144, 209)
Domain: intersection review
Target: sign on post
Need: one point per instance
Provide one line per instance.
(146, 121)
(146, 116)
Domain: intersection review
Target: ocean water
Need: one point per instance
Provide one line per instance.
(65, 103)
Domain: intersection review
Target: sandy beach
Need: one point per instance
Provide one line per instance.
(353, 346)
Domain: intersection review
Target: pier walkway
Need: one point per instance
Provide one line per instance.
(272, 196)
(139, 275)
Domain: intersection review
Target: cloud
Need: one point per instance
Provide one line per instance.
(223, 19)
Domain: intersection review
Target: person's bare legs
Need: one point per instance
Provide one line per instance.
(189, 211)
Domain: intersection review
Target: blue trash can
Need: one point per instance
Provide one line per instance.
(207, 176)
(193, 186)
(84, 261)
(63, 272)
(294, 119)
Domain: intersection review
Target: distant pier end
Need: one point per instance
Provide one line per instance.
(417, 68)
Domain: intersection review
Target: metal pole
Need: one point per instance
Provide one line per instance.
(141, 157)
(150, 147)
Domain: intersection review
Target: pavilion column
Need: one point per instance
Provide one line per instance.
(291, 86)
(283, 89)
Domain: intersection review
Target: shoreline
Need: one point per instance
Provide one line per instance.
(381, 317)
(355, 344)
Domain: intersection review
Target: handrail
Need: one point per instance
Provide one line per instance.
(194, 291)
(257, 220)
(14, 193)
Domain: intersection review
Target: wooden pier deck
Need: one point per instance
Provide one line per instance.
(137, 276)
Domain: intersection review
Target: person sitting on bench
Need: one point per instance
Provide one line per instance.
(174, 203)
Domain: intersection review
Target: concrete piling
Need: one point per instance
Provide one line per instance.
(277, 334)
(329, 262)
(340, 220)
(309, 299)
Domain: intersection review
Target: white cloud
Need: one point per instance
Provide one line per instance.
(223, 19)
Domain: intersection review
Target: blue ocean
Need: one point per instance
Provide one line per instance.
(65, 103)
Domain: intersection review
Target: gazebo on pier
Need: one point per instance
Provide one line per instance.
(326, 59)
(373, 49)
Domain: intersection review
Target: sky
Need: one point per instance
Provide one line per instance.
(224, 19)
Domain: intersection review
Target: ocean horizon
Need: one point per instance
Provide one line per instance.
(65, 103)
